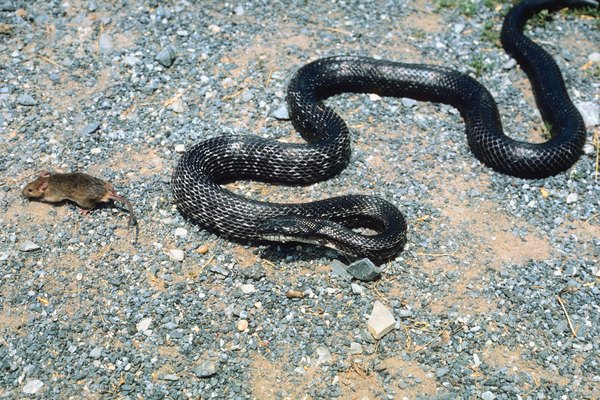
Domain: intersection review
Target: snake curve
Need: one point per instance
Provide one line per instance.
(199, 174)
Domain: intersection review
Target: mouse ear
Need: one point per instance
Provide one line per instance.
(43, 184)
(44, 174)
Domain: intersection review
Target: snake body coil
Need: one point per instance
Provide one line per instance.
(197, 178)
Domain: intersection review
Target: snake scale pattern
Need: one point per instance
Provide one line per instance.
(201, 171)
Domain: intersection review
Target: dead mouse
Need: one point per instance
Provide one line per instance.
(78, 187)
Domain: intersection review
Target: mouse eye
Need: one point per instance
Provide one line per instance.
(30, 190)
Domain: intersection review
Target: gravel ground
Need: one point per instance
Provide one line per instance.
(481, 294)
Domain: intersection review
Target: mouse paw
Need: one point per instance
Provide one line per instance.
(85, 211)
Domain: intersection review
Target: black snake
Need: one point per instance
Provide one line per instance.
(331, 222)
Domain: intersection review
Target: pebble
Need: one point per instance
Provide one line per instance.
(458, 28)
(590, 112)
(281, 113)
(177, 106)
(33, 386)
(131, 61)
(323, 355)
(488, 395)
(356, 348)
(176, 255)
(166, 57)
(339, 269)
(381, 321)
(179, 148)
(572, 198)
(364, 270)
(143, 325)
(90, 128)
(28, 245)
(26, 100)
(248, 288)
(202, 249)
(408, 102)
(205, 369)
(357, 289)
(182, 232)
(242, 325)
(105, 43)
(96, 352)
(594, 57)
(294, 294)
(510, 64)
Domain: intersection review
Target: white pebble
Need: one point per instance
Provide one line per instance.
(181, 232)
(33, 386)
(96, 150)
(28, 245)
(176, 255)
(180, 148)
(590, 112)
(324, 355)
(572, 198)
(144, 324)
(381, 321)
(594, 57)
(248, 288)
(374, 97)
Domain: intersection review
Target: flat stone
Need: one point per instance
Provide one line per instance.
(357, 289)
(248, 288)
(33, 386)
(364, 270)
(170, 377)
(381, 321)
(205, 369)
(144, 324)
(28, 245)
(181, 232)
(323, 355)
(166, 56)
(281, 113)
(572, 198)
(242, 325)
(590, 112)
(356, 348)
(338, 268)
(96, 352)
(26, 100)
(90, 128)
(176, 255)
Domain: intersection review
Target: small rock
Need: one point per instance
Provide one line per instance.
(294, 294)
(33, 386)
(90, 128)
(589, 149)
(170, 377)
(95, 151)
(205, 369)
(510, 64)
(219, 270)
(239, 11)
(96, 352)
(488, 395)
(324, 355)
(255, 272)
(166, 56)
(28, 245)
(281, 113)
(7, 5)
(176, 255)
(572, 198)
(203, 249)
(180, 148)
(130, 60)
(105, 43)
(144, 324)
(458, 28)
(181, 232)
(247, 95)
(590, 112)
(381, 321)
(594, 57)
(177, 106)
(339, 269)
(374, 97)
(26, 100)
(364, 270)
(407, 102)
(356, 348)
(242, 325)
(248, 288)
(357, 289)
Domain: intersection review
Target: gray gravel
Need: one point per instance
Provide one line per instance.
(119, 90)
